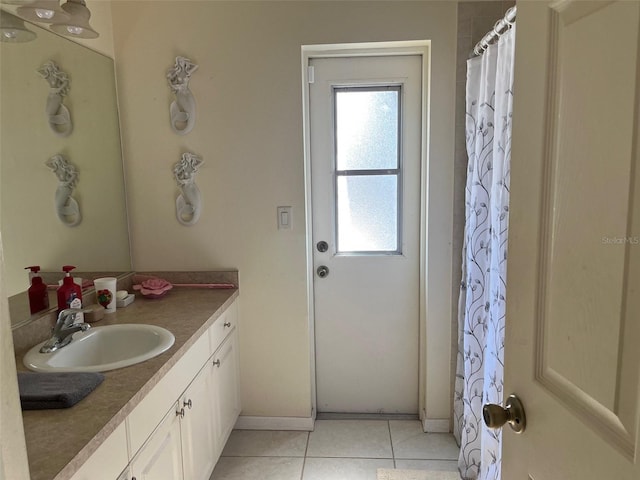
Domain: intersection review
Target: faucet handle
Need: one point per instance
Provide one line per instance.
(69, 314)
(69, 311)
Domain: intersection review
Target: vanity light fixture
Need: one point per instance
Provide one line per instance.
(78, 23)
(13, 30)
(43, 11)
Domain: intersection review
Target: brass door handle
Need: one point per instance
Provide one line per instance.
(495, 416)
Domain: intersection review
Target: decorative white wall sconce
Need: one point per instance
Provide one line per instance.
(58, 115)
(183, 110)
(66, 206)
(189, 202)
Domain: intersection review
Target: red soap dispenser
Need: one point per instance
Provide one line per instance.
(69, 293)
(38, 296)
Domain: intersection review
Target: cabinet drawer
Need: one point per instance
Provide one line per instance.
(144, 418)
(223, 326)
(109, 460)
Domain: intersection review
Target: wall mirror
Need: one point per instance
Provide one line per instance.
(32, 234)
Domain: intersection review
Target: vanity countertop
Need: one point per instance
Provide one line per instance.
(60, 441)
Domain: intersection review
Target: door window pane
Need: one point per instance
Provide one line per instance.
(367, 128)
(367, 213)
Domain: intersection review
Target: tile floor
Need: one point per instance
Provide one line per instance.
(336, 450)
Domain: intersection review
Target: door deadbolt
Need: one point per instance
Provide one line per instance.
(495, 416)
(322, 271)
(322, 246)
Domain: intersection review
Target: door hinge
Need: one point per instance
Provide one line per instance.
(311, 74)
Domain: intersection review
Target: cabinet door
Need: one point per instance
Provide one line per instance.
(226, 387)
(161, 457)
(198, 436)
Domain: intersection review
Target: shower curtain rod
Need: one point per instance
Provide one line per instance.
(501, 26)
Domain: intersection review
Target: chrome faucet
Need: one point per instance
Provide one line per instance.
(64, 328)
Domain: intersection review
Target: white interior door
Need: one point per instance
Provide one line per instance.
(573, 310)
(365, 170)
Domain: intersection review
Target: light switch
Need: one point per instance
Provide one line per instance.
(284, 218)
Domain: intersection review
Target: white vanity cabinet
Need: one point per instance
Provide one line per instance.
(182, 446)
(161, 457)
(208, 410)
(204, 414)
(226, 388)
(197, 410)
(178, 430)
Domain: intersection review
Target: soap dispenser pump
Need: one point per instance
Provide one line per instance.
(38, 296)
(69, 293)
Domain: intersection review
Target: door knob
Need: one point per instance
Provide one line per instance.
(322, 246)
(322, 271)
(496, 416)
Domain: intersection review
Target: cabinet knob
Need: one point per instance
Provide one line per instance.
(216, 363)
(226, 324)
(180, 413)
(188, 403)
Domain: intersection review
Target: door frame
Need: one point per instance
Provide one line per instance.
(436, 200)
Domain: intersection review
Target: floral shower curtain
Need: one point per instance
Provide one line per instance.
(479, 374)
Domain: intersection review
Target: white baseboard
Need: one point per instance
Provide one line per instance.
(247, 422)
(436, 425)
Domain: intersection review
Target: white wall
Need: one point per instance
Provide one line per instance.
(249, 132)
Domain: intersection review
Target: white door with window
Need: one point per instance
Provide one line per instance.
(572, 349)
(365, 123)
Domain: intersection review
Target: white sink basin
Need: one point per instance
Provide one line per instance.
(102, 348)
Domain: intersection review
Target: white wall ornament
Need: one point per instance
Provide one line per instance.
(67, 208)
(58, 116)
(189, 202)
(183, 109)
